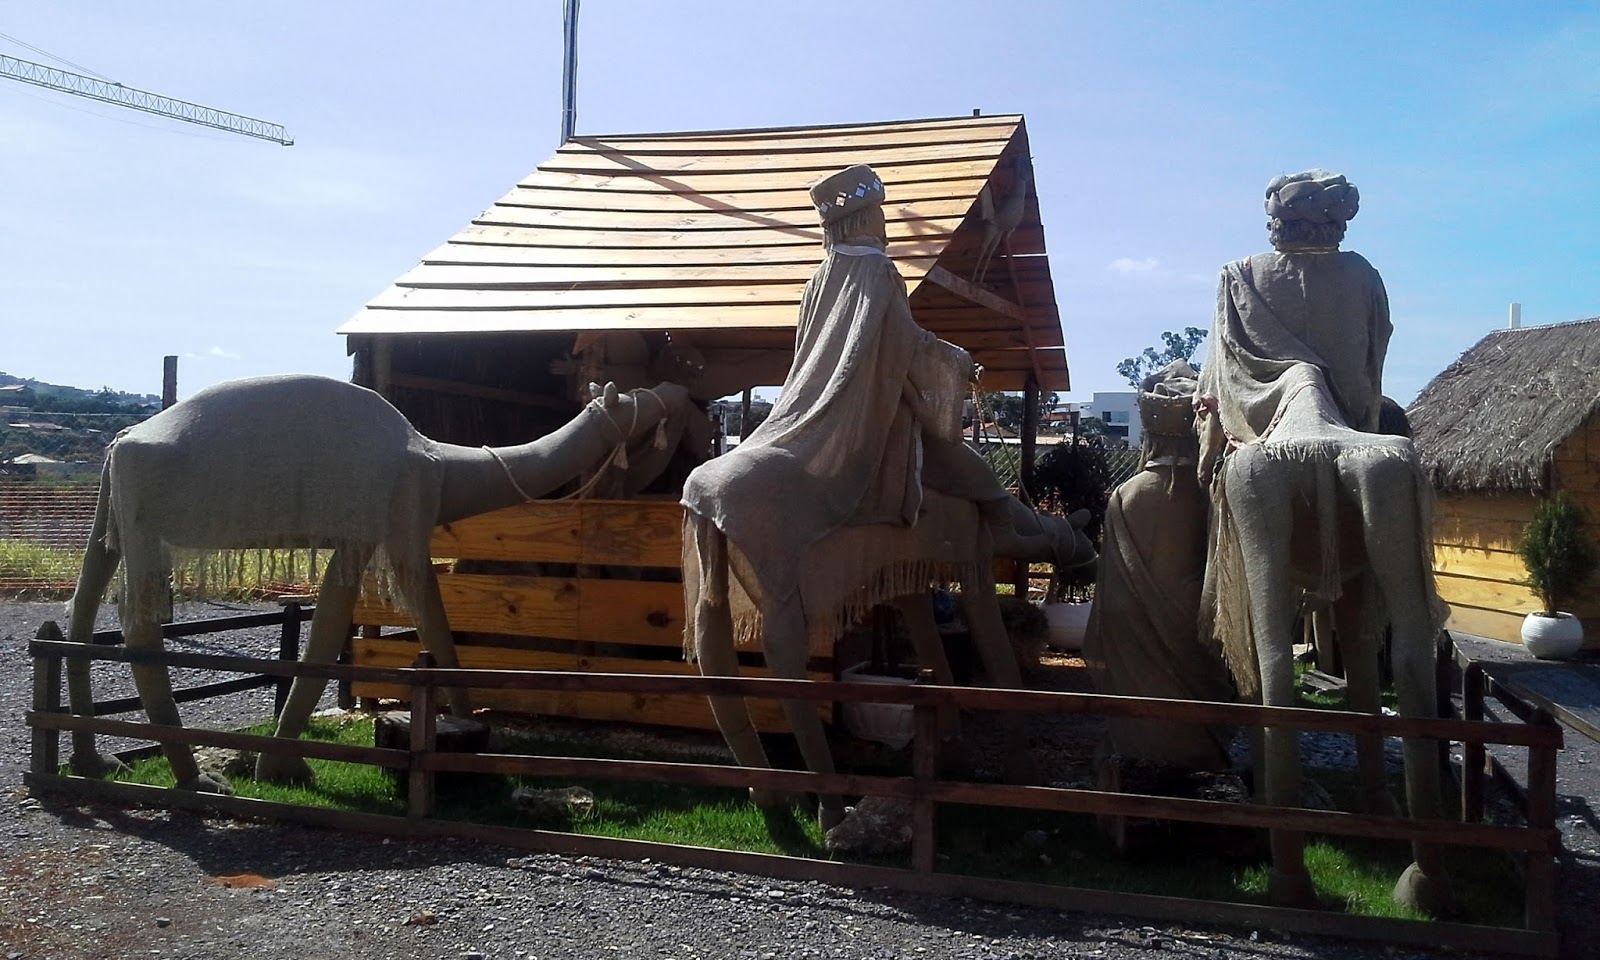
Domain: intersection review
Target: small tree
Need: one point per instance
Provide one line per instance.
(1179, 346)
(1558, 555)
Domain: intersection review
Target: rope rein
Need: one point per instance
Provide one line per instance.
(619, 453)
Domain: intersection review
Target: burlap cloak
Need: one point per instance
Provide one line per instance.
(1285, 320)
(842, 445)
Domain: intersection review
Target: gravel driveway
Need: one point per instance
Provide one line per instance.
(100, 882)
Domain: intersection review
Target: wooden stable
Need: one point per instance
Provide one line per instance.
(705, 240)
(1514, 420)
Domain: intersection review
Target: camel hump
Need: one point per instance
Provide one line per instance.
(284, 412)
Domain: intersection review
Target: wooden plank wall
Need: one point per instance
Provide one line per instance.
(551, 622)
(1475, 542)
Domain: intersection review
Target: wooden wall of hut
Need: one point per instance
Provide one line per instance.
(476, 388)
(1475, 541)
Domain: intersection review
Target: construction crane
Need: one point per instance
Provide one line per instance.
(64, 81)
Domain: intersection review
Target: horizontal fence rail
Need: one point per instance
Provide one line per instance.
(1538, 842)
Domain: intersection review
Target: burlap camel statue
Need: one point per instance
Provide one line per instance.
(842, 580)
(298, 462)
(1308, 497)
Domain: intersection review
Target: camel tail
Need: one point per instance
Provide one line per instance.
(705, 577)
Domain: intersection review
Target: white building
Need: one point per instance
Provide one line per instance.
(1119, 411)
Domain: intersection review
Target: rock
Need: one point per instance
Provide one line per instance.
(556, 804)
(163, 921)
(876, 826)
(225, 762)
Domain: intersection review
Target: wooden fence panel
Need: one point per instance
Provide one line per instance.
(671, 710)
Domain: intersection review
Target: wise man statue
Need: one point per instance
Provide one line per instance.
(1142, 639)
(1303, 313)
(870, 398)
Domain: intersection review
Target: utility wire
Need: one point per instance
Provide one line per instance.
(46, 53)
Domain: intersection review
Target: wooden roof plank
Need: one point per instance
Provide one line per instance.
(921, 232)
(571, 277)
(749, 201)
(826, 129)
(791, 143)
(478, 298)
(729, 219)
(732, 181)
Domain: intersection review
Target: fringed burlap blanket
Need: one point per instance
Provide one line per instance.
(842, 446)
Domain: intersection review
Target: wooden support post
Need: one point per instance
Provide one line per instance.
(347, 698)
(744, 415)
(382, 370)
(1540, 907)
(419, 782)
(46, 752)
(1028, 453)
(924, 771)
(1473, 755)
(288, 649)
(169, 381)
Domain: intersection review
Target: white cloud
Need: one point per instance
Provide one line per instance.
(1130, 265)
(213, 353)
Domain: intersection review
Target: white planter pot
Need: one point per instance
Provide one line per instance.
(891, 724)
(1067, 622)
(1552, 637)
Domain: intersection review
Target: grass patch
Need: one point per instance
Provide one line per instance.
(1194, 861)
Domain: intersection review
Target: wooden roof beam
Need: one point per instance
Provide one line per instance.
(968, 290)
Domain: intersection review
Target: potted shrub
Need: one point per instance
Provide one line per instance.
(1559, 558)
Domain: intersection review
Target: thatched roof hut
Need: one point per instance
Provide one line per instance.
(1493, 419)
(1515, 419)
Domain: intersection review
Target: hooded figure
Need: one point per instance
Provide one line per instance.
(1304, 314)
(869, 391)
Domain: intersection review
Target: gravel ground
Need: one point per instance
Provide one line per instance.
(93, 881)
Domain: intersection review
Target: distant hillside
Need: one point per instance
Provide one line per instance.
(64, 423)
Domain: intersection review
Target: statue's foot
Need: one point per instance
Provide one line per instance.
(284, 768)
(96, 766)
(1424, 892)
(207, 783)
(1290, 889)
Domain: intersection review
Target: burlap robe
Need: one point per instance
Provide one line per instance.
(841, 447)
(1296, 364)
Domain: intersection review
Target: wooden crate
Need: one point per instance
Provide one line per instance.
(644, 615)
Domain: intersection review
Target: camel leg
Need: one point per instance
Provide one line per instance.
(918, 614)
(99, 563)
(715, 653)
(783, 637)
(1391, 536)
(1364, 694)
(330, 625)
(141, 630)
(1000, 663)
(1260, 503)
(413, 568)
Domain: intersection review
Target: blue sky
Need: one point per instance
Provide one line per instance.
(1471, 129)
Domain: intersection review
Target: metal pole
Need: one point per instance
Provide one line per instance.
(569, 69)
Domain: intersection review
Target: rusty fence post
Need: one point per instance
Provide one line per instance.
(924, 771)
(1540, 909)
(1474, 757)
(288, 650)
(46, 747)
(423, 727)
